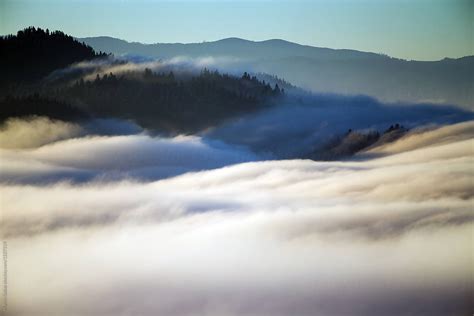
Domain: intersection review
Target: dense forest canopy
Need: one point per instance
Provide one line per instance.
(35, 105)
(33, 53)
(161, 101)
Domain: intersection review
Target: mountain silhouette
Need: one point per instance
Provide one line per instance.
(274, 48)
(33, 53)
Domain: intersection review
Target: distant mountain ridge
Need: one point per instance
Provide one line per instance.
(325, 70)
(276, 48)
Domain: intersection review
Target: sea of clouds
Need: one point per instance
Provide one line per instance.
(106, 219)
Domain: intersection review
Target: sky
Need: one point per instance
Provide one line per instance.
(409, 29)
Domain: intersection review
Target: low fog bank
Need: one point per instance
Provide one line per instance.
(383, 236)
(305, 125)
(34, 131)
(425, 151)
(40, 150)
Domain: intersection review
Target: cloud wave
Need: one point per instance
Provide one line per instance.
(57, 151)
(296, 128)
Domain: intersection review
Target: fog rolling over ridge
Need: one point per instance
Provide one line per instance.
(447, 81)
(42, 150)
(291, 130)
(180, 180)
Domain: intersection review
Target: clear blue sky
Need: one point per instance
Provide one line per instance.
(411, 29)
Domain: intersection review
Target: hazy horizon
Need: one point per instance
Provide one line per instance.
(242, 39)
(257, 41)
(413, 30)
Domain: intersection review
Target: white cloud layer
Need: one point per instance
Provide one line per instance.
(63, 151)
(18, 133)
(389, 235)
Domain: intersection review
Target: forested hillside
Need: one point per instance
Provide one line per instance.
(33, 53)
(35, 105)
(159, 100)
